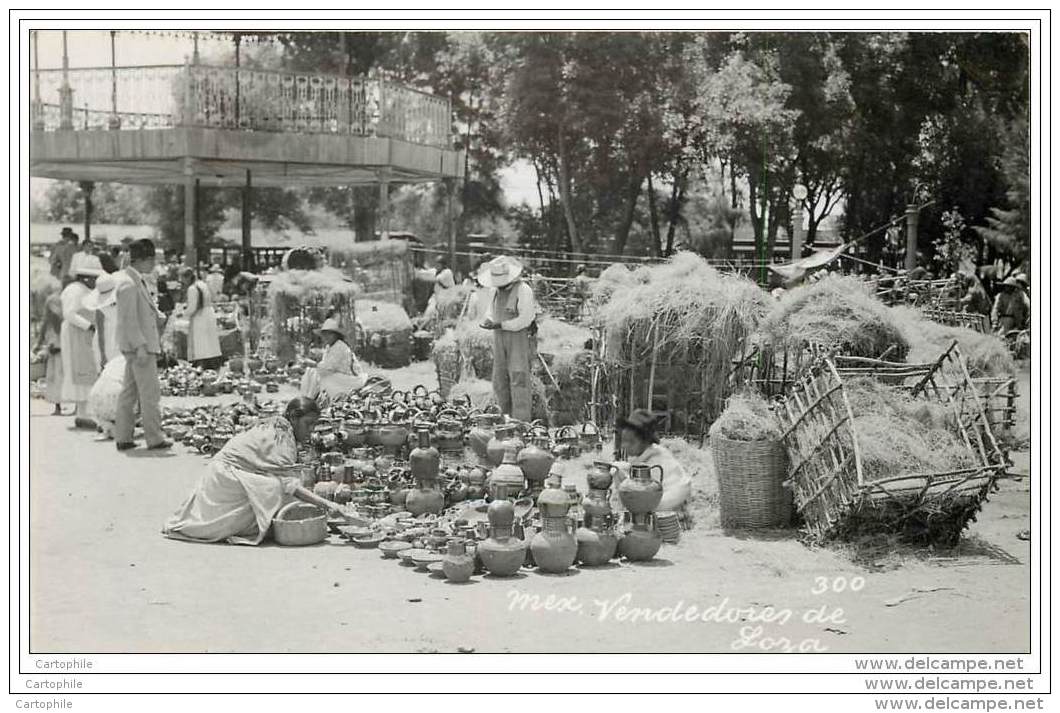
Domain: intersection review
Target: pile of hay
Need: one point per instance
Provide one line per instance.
(462, 352)
(985, 354)
(386, 340)
(747, 417)
(837, 313)
(300, 301)
(692, 318)
(704, 506)
(450, 303)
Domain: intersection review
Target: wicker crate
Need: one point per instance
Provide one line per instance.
(831, 492)
(972, 320)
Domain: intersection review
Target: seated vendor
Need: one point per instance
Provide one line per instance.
(249, 480)
(338, 372)
(641, 445)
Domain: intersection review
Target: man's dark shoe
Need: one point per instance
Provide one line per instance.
(161, 446)
(125, 446)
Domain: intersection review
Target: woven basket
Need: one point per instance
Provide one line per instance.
(750, 476)
(299, 524)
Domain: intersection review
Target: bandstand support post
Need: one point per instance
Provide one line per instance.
(248, 256)
(190, 256)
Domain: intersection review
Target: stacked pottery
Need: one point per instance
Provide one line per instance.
(507, 480)
(535, 461)
(597, 541)
(554, 547)
(457, 564)
(641, 495)
(502, 555)
(503, 436)
(424, 461)
(476, 483)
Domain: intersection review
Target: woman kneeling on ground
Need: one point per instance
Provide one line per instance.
(640, 443)
(248, 481)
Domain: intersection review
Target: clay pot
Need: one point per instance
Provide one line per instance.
(600, 477)
(424, 459)
(640, 544)
(480, 435)
(566, 444)
(554, 547)
(235, 365)
(253, 365)
(457, 564)
(343, 494)
(595, 547)
(476, 484)
(639, 493)
(502, 555)
(535, 462)
(502, 437)
(449, 432)
(420, 501)
(507, 480)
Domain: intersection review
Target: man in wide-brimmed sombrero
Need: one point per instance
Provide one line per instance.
(511, 314)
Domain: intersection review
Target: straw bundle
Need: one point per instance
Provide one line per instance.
(688, 319)
(300, 300)
(747, 417)
(837, 313)
(985, 354)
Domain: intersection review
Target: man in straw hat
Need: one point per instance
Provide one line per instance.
(138, 340)
(79, 357)
(511, 315)
(1011, 309)
(337, 373)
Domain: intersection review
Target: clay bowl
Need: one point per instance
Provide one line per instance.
(406, 556)
(352, 531)
(423, 561)
(436, 569)
(367, 542)
(391, 549)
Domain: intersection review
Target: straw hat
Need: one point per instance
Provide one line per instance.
(86, 265)
(332, 325)
(1012, 282)
(500, 272)
(104, 295)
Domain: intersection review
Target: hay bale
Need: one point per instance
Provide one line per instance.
(300, 300)
(985, 354)
(692, 318)
(387, 333)
(838, 313)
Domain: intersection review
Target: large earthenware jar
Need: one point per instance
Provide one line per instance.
(426, 497)
(535, 461)
(507, 482)
(554, 547)
(457, 564)
(502, 437)
(597, 541)
(641, 543)
(639, 492)
(502, 555)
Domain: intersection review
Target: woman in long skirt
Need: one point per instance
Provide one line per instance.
(204, 345)
(77, 337)
(49, 340)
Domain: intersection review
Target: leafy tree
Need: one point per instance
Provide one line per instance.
(1008, 230)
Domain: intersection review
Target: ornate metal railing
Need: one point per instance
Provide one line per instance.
(166, 96)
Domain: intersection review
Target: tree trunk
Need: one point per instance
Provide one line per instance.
(365, 203)
(565, 193)
(622, 234)
(655, 238)
(677, 199)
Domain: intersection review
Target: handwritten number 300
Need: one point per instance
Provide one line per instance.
(838, 584)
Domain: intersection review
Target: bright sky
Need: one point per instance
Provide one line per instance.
(91, 48)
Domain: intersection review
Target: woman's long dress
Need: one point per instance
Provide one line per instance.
(203, 342)
(247, 483)
(53, 378)
(337, 374)
(79, 350)
(103, 398)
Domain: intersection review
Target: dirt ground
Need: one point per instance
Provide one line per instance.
(104, 580)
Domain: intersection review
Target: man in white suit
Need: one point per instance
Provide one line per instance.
(138, 340)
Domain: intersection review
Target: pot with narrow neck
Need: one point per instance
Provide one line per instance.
(536, 462)
(554, 547)
(502, 554)
(426, 497)
(639, 493)
(480, 435)
(502, 437)
(597, 541)
(507, 482)
(457, 564)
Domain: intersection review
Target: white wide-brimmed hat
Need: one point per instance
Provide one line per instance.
(500, 272)
(332, 325)
(86, 265)
(104, 295)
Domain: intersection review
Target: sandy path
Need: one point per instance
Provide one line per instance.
(104, 580)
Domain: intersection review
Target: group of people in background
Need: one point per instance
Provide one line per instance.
(101, 333)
